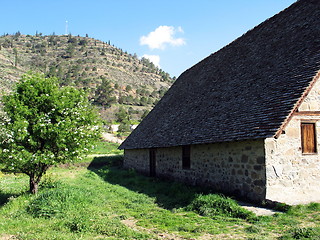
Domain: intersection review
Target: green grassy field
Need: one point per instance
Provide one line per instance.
(107, 148)
(111, 203)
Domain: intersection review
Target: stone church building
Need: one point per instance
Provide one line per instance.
(246, 119)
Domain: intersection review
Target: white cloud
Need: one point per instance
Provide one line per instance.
(155, 59)
(180, 30)
(162, 36)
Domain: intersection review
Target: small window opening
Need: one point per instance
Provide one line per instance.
(186, 157)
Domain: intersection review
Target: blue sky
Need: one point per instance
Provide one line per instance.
(177, 33)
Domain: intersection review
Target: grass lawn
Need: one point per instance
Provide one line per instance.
(107, 148)
(111, 203)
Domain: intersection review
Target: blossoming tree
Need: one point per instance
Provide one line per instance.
(44, 125)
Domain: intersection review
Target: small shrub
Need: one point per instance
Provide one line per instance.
(49, 182)
(282, 207)
(213, 204)
(253, 229)
(302, 233)
(278, 206)
(56, 202)
(124, 127)
(314, 206)
(79, 223)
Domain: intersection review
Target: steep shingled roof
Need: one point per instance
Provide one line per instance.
(244, 91)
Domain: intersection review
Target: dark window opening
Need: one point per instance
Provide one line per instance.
(186, 157)
(152, 162)
(308, 138)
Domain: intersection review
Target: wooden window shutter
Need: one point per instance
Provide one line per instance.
(308, 138)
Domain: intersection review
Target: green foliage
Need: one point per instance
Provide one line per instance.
(143, 101)
(313, 206)
(15, 51)
(124, 127)
(55, 202)
(212, 205)
(253, 229)
(48, 182)
(302, 233)
(122, 115)
(44, 125)
(128, 88)
(72, 58)
(144, 114)
(70, 51)
(113, 203)
(104, 94)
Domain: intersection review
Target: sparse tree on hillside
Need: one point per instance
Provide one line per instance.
(122, 115)
(83, 42)
(128, 88)
(44, 125)
(17, 34)
(144, 114)
(52, 71)
(70, 51)
(124, 127)
(123, 118)
(143, 101)
(104, 94)
(15, 52)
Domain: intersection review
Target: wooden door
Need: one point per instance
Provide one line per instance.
(152, 160)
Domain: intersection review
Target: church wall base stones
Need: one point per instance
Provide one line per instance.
(234, 168)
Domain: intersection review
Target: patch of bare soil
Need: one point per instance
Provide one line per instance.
(111, 138)
(8, 237)
(259, 211)
(131, 223)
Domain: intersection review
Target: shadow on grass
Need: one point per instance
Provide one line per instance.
(168, 194)
(4, 198)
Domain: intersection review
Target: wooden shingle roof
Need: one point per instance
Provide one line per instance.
(244, 91)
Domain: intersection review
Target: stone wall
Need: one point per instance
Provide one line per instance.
(235, 168)
(137, 159)
(294, 177)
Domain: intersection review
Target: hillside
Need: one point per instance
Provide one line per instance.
(113, 77)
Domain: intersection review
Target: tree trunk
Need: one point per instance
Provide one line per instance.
(33, 185)
(35, 177)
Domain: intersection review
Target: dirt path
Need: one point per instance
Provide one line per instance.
(259, 211)
(111, 138)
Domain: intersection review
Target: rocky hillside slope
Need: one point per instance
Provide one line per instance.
(114, 78)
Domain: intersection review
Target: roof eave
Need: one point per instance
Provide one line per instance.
(297, 105)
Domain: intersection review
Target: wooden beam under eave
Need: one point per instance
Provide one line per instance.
(307, 113)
